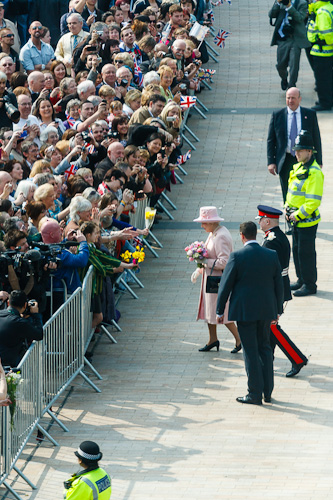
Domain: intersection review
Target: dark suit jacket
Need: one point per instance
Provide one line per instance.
(253, 278)
(277, 140)
(298, 13)
(281, 245)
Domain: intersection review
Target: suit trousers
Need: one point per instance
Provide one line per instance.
(258, 357)
(323, 67)
(288, 54)
(304, 253)
(287, 166)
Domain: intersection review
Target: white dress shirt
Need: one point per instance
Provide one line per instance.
(290, 119)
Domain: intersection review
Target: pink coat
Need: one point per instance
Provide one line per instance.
(219, 246)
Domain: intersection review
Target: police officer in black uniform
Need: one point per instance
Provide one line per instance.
(275, 239)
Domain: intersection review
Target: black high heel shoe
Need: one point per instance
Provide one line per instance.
(210, 346)
(236, 349)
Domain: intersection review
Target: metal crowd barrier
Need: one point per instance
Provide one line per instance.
(16, 434)
(50, 366)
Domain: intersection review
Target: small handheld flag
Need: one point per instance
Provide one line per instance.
(221, 37)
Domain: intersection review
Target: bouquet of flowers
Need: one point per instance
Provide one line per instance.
(149, 217)
(137, 256)
(196, 252)
(13, 381)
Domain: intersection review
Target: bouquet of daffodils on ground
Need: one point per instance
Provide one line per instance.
(13, 381)
(197, 252)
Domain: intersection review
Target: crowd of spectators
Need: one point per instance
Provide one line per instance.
(90, 122)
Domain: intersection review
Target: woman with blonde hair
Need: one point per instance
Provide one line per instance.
(40, 167)
(166, 75)
(148, 91)
(45, 194)
(106, 92)
(172, 117)
(132, 102)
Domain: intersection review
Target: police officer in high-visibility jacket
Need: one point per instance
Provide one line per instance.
(92, 482)
(320, 34)
(305, 191)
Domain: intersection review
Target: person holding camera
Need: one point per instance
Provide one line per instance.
(20, 323)
(290, 37)
(9, 112)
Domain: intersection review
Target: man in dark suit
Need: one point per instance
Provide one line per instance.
(275, 239)
(253, 278)
(290, 37)
(284, 127)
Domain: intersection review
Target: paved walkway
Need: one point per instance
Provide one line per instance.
(167, 419)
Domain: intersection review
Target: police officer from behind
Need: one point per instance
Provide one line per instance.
(92, 482)
(305, 191)
(320, 34)
(275, 239)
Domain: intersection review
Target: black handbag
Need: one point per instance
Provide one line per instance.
(213, 282)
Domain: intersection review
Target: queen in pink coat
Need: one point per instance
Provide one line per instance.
(219, 247)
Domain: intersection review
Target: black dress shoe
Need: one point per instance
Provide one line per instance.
(304, 291)
(249, 401)
(296, 369)
(267, 399)
(236, 349)
(296, 285)
(210, 346)
(319, 107)
(284, 84)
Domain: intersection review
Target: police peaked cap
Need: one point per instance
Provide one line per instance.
(304, 141)
(270, 212)
(88, 450)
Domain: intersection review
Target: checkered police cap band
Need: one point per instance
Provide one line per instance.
(87, 456)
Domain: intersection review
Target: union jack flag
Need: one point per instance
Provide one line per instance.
(183, 158)
(90, 148)
(70, 171)
(187, 101)
(137, 74)
(210, 14)
(220, 38)
(70, 121)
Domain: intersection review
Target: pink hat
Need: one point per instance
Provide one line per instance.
(208, 214)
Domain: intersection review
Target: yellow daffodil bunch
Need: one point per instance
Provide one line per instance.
(126, 256)
(139, 255)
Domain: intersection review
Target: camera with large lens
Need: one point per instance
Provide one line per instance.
(285, 2)
(86, 137)
(10, 109)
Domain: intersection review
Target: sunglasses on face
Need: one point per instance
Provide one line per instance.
(34, 28)
(8, 36)
(119, 61)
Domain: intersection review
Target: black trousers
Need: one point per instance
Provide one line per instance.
(287, 346)
(287, 166)
(323, 67)
(304, 253)
(258, 357)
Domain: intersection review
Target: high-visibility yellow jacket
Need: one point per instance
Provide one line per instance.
(93, 485)
(305, 191)
(322, 28)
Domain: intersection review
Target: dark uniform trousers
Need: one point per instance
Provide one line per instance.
(258, 357)
(304, 253)
(287, 166)
(323, 67)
